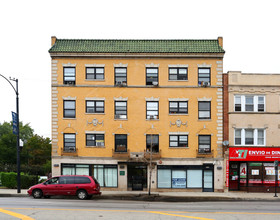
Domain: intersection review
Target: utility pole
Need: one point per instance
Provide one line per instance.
(17, 129)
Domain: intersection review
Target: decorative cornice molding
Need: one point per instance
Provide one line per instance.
(120, 65)
(69, 98)
(69, 64)
(120, 99)
(204, 99)
(94, 65)
(152, 65)
(151, 99)
(179, 65)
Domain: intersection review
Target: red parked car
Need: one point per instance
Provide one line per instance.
(84, 187)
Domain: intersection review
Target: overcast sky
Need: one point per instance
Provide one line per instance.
(250, 29)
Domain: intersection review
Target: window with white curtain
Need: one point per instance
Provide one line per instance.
(194, 179)
(164, 178)
(106, 175)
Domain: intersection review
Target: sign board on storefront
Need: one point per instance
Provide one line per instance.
(254, 154)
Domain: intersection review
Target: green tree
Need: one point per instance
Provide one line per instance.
(8, 141)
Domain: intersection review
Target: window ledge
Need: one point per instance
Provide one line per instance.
(101, 80)
(120, 119)
(95, 146)
(204, 119)
(95, 113)
(152, 119)
(178, 114)
(179, 148)
(177, 80)
(69, 118)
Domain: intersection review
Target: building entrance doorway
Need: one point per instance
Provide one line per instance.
(137, 176)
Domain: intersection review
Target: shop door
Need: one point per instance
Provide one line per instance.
(208, 177)
(233, 176)
(137, 177)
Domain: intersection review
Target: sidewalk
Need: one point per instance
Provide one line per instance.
(167, 196)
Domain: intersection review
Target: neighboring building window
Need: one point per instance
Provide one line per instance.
(178, 73)
(204, 143)
(152, 142)
(178, 140)
(120, 76)
(249, 136)
(69, 109)
(95, 73)
(120, 110)
(120, 142)
(151, 76)
(237, 137)
(204, 76)
(152, 110)
(69, 142)
(69, 75)
(93, 106)
(204, 110)
(249, 103)
(178, 107)
(95, 140)
(106, 175)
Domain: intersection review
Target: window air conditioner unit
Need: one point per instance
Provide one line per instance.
(155, 83)
(99, 144)
(205, 84)
(119, 83)
(70, 83)
(151, 117)
(71, 149)
(117, 116)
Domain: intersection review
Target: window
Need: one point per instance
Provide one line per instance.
(152, 110)
(204, 110)
(194, 178)
(69, 108)
(95, 140)
(237, 138)
(249, 136)
(151, 76)
(178, 73)
(69, 142)
(152, 143)
(75, 169)
(178, 140)
(120, 142)
(204, 76)
(178, 107)
(120, 110)
(120, 76)
(204, 144)
(106, 175)
(95, 73)
(249, 103)
(94, 106)
(69, 75)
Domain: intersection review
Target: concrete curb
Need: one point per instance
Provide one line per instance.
(162, 198)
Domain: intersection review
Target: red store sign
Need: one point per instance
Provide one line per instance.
(254, 153)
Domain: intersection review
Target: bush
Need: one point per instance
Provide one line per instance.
(9, 180)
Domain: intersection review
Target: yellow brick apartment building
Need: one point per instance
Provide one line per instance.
(139, 114)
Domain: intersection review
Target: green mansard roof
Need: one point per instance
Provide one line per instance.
(136, 46)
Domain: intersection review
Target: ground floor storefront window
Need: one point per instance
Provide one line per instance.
(182, 177)
(107, 175)
(253, 176)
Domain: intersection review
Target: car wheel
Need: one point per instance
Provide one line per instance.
(82, 194)
(37, 193)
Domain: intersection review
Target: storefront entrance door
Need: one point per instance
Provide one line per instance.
(233, 176)
(208, 181)
(137, 176)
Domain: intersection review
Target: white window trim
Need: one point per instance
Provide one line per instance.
(120, 65)
(178, 99)
(243, 102)
(69, 98)
(255, 136)
(69, 64)
(95, 99)
(95, 132)
(178, 133)
(95, 65)
(178, 66)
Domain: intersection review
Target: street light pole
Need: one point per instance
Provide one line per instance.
(17, 133)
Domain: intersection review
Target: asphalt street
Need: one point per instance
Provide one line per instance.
(28, 208)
